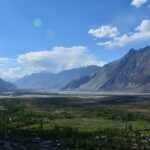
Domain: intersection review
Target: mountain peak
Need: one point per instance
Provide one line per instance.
(130, 73)
(132, 50)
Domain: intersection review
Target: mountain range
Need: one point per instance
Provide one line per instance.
(131, 73)
(54, 81)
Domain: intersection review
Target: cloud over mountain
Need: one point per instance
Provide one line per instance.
(55, 60)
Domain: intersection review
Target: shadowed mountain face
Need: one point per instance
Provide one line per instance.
(77, 83)
(6, 86)
(130, 73)
(54, 81)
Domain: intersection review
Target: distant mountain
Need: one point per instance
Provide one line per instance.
(130, 73)
(6, 86)
(54, 81)
(77, 82)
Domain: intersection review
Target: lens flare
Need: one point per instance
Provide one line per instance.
(37, 22)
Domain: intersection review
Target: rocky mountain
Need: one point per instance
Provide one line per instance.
(130, 73)
(6, 86)
(77, 82)
(54, 81)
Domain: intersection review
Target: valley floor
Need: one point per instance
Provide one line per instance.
(30, 120)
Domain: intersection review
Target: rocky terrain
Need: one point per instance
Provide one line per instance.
(130, 73)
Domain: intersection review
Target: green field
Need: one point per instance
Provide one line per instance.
(69, 118)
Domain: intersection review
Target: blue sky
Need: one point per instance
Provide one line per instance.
(98, 31)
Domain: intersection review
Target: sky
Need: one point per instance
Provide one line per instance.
(55, 35)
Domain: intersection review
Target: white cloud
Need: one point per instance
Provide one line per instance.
(141, 32)
(8, 68)
(144, 26)
(12, 73)
(58, 59)
(138, 3)
(4, 60)
(104, 31)
(55, 60)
